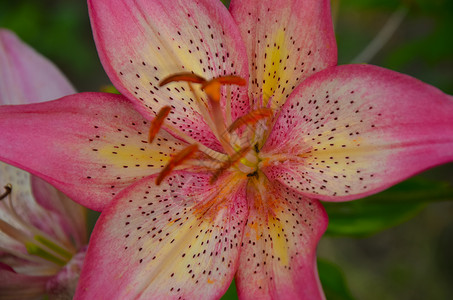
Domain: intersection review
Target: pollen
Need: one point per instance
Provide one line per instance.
(177, 160)
(237, 145)
(156, 124)
(212, 87)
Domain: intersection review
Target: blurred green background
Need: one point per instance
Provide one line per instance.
(409, 261)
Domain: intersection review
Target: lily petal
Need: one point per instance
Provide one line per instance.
(23, 263)
(21, 210)
(64, 284)
(142, 42)
(71, 216)
(26, 76)
(179, 240)
(354, 130)
(18, 286)
(89, 146)
(286, 42)
(278, 255)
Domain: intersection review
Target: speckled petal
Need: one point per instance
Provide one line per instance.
(142, 42)
(90, 146)
(278, 255)
(354, 130)
(286, 42)
(25, 75)
(179, 240)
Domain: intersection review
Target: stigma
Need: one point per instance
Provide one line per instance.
(238, 138)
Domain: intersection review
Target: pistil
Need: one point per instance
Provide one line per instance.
(239, 152)
(231, 162)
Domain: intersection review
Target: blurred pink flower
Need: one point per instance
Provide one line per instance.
(42, 232)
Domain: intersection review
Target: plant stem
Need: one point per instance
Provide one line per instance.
(383, 36)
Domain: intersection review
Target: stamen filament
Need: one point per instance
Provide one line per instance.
(193, 78)
(12, 232)
(53, 246)
(38, 251)
(24, 256)
(220, 127)
(178, 159)
(251, 118)
(203, 109)
(212, 89)
(156, 124)
(215, 119)
(25, 237)
(208, 151)
(228, 105)
(209, 164)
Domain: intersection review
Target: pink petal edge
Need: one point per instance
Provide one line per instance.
(354, 130)
(20, 286)
(26, 76)
(142, 42)
(286, 43)
(90, 146)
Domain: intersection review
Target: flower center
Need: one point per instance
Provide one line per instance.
(238, 139)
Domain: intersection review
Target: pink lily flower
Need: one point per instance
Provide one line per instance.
(231, 127)
(42, 232)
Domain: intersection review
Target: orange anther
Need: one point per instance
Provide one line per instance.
(177, 160)
(212, 89)
(232, 161)
(156, 124)
(251, 118)
(229, 79)
(232, 79)
(184, 76)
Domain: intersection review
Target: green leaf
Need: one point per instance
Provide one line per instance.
(226, 2)
(371, 4)
(384, 210)
(109, 89)
(231, 293)
(333, 282)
